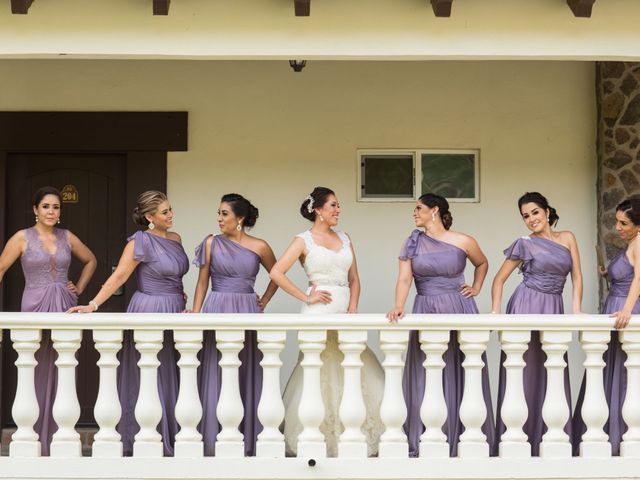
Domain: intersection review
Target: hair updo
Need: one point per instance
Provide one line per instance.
(148, 202)
(631, 208)
(540, 201)
(241, 207)
(432, 200)
(319, 196)
(43, 192)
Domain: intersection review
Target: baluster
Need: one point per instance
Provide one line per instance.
(148, 442)
(630, 445)
(352, 442)
(271, 409)
(473, 442)
(230, 441)
(66, 408)
(595, 442)
(555, 411)
(514, 442)
(393, 410)
(107, 442)
(188, 407)
(24, 441)
(433, 410)
(311, 410)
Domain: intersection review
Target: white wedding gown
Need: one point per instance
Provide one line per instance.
(328, 270)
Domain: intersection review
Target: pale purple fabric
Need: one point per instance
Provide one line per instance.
(233, 272)
(45, 290)
(545, 266)
(615, 374)
(163, 263)
(438, 272)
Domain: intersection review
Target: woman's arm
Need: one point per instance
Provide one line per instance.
(11, 252)
(623, 316)
(268, 260)
(403, 284)
(86, 256)
(354, 283)
(203, 277)
(508, 266)
(481, 264)
(576, 273)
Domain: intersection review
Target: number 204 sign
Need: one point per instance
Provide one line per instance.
(70, 194)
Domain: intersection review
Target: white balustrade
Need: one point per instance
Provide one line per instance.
(433, 411)
(473, 442)
(352, 442)
(555, 411)
(270, 442)
(24, 441)
(188, 407)
(230, 441)
(595, 442)
(66, 408)
(311, 442)
(107, 442)
(630, 445)
(393, 410)
(148, 411)
(514, 442)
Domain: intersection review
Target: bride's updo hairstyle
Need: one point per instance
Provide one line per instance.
(432, 200)
(316, 199)
(241, 207)
(631, 208)
(541, 201)
(148, 202)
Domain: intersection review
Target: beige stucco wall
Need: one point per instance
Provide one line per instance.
(259, 129)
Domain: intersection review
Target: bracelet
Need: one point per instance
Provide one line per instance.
(94, 305)
(306, 300)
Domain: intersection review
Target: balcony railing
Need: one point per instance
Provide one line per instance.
(106, 459)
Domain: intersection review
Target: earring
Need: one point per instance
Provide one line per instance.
(433, 216)
(547, 219)
(58, 222)
(239, 226)
(321, 218)
(152, 225)
(37, 220)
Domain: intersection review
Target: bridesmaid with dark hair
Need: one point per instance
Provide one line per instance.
(45, 254)
(545, 258)
(622, 302)
(160, 262)
(232, 261)
(436, 258)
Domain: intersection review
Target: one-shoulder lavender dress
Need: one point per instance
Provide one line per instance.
(233, 270)
(438, 272)
(45, 290)
(545, 266)
(163, 263)
(615, 374)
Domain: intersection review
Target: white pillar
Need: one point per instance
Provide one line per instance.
(107, 442)
(555, 411)
(188, 407)
(148, 442)
(270, 441)
(311, 442)
(595, 442)
(630, 445)
(473, 442)
(352, 442)
(24, 441)
(393, 410)
(433, 411)
(66, 408)
(230, 441)
(514, 442)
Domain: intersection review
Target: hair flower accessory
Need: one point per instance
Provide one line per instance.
(310, 204)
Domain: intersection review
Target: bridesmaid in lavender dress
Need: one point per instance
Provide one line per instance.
(45, 254)
(232, 261)
(622, 302)
(545, 258)
(436, 260)
(160, 263)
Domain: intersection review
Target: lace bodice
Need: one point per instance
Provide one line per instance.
(324, 266)
(39, 266)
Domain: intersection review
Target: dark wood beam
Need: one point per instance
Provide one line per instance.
(161, 7)
(20, 7)
(441, 8)
(581, 8)
(302, 7)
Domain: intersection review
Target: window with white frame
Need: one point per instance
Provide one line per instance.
(404, 175)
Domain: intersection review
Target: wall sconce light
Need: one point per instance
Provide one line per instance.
(297, 65)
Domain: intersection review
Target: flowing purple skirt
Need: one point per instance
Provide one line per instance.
(250, 372)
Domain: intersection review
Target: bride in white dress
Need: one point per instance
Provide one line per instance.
(328, 259)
